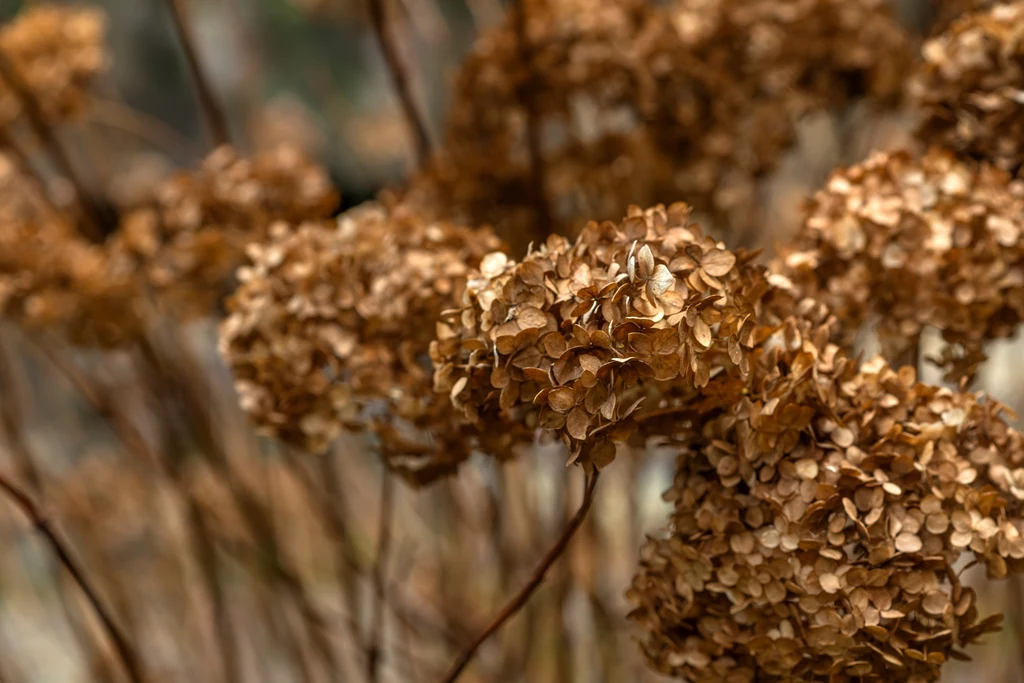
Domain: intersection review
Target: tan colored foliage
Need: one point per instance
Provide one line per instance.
(57, 51)
(820, 522)
(934, 242)
(331, 325)
(574, 338)
(970, 87)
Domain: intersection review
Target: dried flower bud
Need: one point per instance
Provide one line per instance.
(927, 243)
(819, 524)
(971, 87)
(57, 51)
(331, 325)
(574, 337)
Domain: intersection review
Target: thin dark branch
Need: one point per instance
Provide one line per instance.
(96, 223)
(216, 122)
(373, 641)
(400, 79)
(28, 506)
(522, 597)
(534, 146)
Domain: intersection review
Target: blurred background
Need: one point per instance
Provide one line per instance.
(289, 582)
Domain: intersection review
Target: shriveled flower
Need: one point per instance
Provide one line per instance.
(331, 325)
(970, 87)
(191, 238)
(53, 279)
(576, 336)
(934, 242)
(820, 522)
(57, 51)
(640, 103)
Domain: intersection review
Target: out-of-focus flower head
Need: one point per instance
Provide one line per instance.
(970, 87)
(57, 51)
(331, 325)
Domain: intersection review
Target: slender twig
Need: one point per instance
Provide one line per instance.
(534, 146)
(400, 79)
(96, 223)
(28, 506)
(523, 596)
(376, 630)
(216, 122)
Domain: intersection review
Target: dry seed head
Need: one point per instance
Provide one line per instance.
(58, 51)
(818, 521)
(330, 329)
(576, 336)
(639, 103)
(970, 87)
(930, 242)
(191, 238)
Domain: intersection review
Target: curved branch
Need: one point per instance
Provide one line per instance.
(400, 79)
(28, 506)
(520, 599)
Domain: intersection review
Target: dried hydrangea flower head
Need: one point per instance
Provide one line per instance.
(57, 51)
(735, 74)
(576, 336)
(191, 238)
(934, 242)
(970, 87)
(639, 103)
(51, 278)
(820, 525)
(331, 326)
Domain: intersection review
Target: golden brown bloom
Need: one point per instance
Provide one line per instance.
(819, 525)
(192, 237)
(639, 104)
(331, 325)
(576, 336)
(922, 243)
(57, 51)
(971, 87)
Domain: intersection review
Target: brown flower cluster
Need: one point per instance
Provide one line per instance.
(934, 242)
(331, 326)
(821, 523)
(51, 278)
(970, 87)
(575, 337)
(191, 238)
(638, 103)
(57, 51)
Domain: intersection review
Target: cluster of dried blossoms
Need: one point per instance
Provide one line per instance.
(578, 335)
(636, 103)
(821, 522)
(934, 242)
(56, 51)
(971, 87)
(183, 249)
(331, 326)
(192, 236)
(51, 278)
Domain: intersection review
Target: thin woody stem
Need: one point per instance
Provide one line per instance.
(520, 599)
(400, 80)
(28, 506)
(213, 114)
(374, 648)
